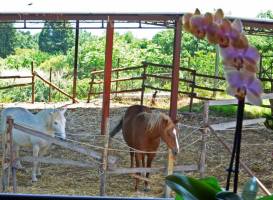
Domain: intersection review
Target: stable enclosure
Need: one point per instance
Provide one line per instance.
(89, 126)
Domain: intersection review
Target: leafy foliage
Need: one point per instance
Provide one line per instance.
(188, 188)
(7, 39)
(54, 38)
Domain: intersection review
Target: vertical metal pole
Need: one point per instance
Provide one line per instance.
(75, 73)
(49, 89)
(174, 89)
(203, 142)
(33, 83)
(216, 72)
(106, 95)
(143, 82)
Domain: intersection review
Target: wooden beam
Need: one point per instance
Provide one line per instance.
(55, 87)
(227, 125)
(180, 168)
(235, 101)
(67, 145)
(57, 161)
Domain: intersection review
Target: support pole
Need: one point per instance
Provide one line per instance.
(174, 89)
(75, 73)
(204, 138)
(106, 94)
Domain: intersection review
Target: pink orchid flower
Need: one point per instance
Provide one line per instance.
(237, 59)
(244, 85)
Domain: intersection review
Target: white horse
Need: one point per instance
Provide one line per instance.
(48, 121)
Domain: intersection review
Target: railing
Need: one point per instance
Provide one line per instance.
(146, 76)
(33, 76)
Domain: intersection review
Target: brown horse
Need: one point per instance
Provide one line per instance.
(142, 131)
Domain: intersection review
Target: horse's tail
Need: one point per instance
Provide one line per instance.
(116, 129)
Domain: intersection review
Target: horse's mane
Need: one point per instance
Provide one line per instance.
(154, 119)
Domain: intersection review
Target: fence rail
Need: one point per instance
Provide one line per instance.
(191, 81)
(33, 76)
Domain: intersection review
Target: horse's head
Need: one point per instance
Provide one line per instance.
(169, 134)
(58, 122)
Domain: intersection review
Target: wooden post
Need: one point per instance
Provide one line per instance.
(75, 73)
(203, 142)
(117, 77)
(8, 157)
(49, 89)
(192, 89)
(216, 72)
(106, 91)
(12, 154)
(33, 83)
(90, 88)
(143, 82)
(5, 163)
(174, 90)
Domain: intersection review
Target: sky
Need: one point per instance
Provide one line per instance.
(234, 8)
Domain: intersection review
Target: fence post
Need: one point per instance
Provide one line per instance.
(143, 82)
(33, 83)
(204, 137)
(216, 72)
(117, 77)
(8, 158)
(192, 89)
(49, 89)
(90, 88)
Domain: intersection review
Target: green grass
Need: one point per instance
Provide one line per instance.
(230, 110)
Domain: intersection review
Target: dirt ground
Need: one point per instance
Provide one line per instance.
(83, 125)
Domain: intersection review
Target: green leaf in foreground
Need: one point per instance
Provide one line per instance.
(184, 186)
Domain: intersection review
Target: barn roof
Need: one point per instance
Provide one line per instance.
(141, 11)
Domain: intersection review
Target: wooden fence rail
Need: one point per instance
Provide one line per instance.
(191, 80)
(32, 84)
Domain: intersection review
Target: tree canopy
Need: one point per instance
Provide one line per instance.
(54, 38)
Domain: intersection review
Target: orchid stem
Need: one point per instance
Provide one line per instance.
(236, 147)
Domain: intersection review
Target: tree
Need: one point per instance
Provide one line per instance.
(24, 40)
(54, 38)
(7, 39)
